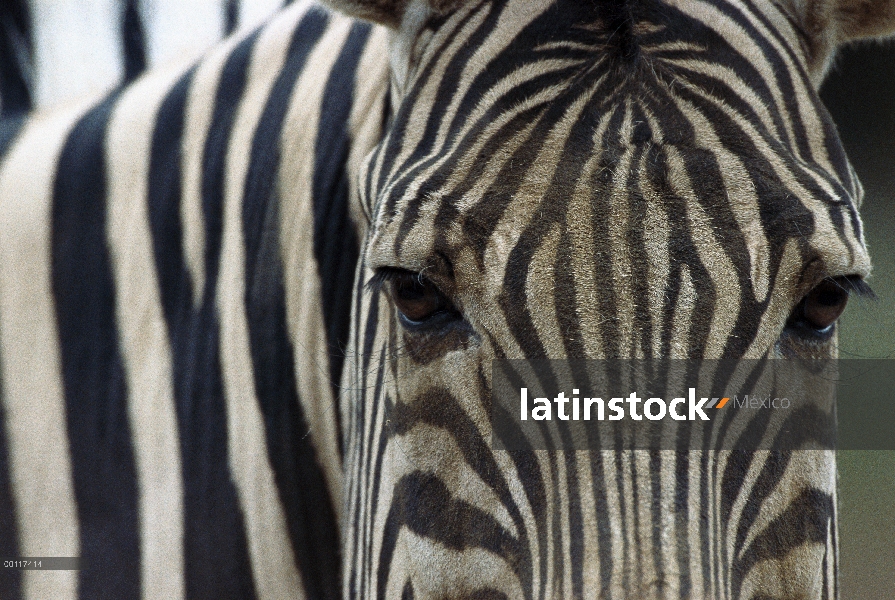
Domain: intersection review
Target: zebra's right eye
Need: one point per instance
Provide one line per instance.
(417, 299)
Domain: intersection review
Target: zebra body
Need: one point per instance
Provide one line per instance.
(480, 180)
(151, 190)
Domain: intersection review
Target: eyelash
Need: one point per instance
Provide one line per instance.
(855, 285)
(384, 275)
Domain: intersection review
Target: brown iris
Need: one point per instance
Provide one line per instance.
(824, 304)
(415, 296)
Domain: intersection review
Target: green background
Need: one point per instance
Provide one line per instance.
(860, 93)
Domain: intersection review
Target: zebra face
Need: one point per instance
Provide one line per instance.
(580, 181)
(599, 180)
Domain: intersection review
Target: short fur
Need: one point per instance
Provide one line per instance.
(579, 179)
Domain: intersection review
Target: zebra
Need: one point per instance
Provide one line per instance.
(55, 51)
(234, 489)
(191, 265)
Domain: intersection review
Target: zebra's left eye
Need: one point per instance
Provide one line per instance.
(823, 305)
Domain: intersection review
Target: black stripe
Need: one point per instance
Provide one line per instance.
(10, 128)
(16, 55)
(681, 516)
(231, 16)
(310, 515)
(134, 42)
(215, 547)
(657, 512)
(407, 593)
(336, 246)
(487, 594)
(93, 375)
(706, 504)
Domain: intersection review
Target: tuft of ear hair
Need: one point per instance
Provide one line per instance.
(828, 24)
(387, 12)
(865, 18)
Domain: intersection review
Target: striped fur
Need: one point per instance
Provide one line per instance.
(626, 179)
(617, 179)
(182, 385)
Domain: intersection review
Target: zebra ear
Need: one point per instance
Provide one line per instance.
(827, 24)
(388, 12)
(857, 19)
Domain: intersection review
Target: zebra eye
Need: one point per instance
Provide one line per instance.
(821, 308)
(824, 304)
(416, 298)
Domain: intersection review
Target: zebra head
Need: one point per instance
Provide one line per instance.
(563, 179)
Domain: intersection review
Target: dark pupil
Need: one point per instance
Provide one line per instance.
(410, 289)
(824, 305)
(417, 300)
(829, 297)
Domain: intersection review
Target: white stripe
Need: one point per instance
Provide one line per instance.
(273, 562)
(304, 313)
(144, 339)
(39, 451)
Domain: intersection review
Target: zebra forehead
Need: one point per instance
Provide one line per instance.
(508, 69)
(619, 28)
(579, 153)
(469, 202)
(537, 117)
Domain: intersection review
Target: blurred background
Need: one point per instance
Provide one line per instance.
(860, 94)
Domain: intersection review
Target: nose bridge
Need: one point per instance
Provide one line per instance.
(637, 261)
